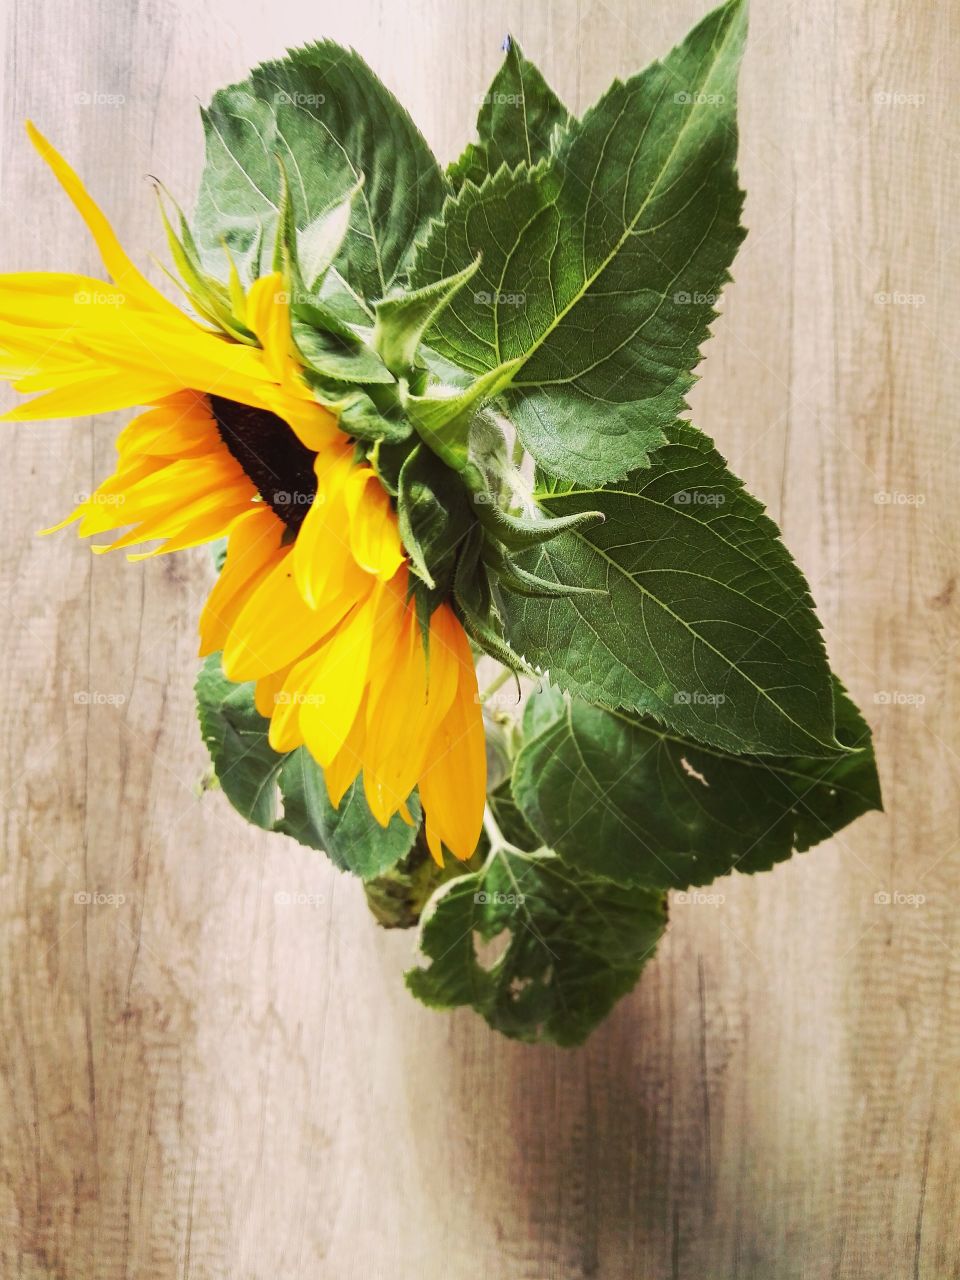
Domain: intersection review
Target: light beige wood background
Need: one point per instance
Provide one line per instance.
(201, 1083)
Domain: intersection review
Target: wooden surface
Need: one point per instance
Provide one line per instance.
(199, 1082)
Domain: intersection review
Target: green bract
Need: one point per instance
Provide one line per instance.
(510, 343)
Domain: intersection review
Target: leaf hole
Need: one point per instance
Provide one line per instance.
(489, 950)
(691, 772)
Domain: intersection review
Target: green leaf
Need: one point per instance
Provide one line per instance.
(235, 733)
(350, 836)
(570, 946)
(519, 117)
(510, 819)
(334, 124)
(286, 793)
(708, 625)
(602, 265)
(616, 796)
(402, 318)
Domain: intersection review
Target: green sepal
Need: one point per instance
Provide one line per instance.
(285, 237)
(313, 310)
(338, 359)
(359, 416)
(433, 515)
(398, 897)
(442, 418)
(520, 533)
(473, 596)
(212, 300)
(511, 575)
(402, 318)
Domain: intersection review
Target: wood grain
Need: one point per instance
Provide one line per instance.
(201, 1083)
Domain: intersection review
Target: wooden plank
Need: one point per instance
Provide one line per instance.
(202, 1082)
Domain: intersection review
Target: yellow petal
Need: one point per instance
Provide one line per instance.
(121, 269)
(268, 315)
(99, 394)
(342, 771)
(332, 689)
(453, 785)
(275, 626)
(253, 549)
(374, 533)
(322, 560)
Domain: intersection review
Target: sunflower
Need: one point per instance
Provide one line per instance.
(314, 601)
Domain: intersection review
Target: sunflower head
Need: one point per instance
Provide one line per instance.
(366, 532)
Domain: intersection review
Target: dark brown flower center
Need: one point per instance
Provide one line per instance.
(271, 454)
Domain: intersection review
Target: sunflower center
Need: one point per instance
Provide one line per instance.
(271, 455)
